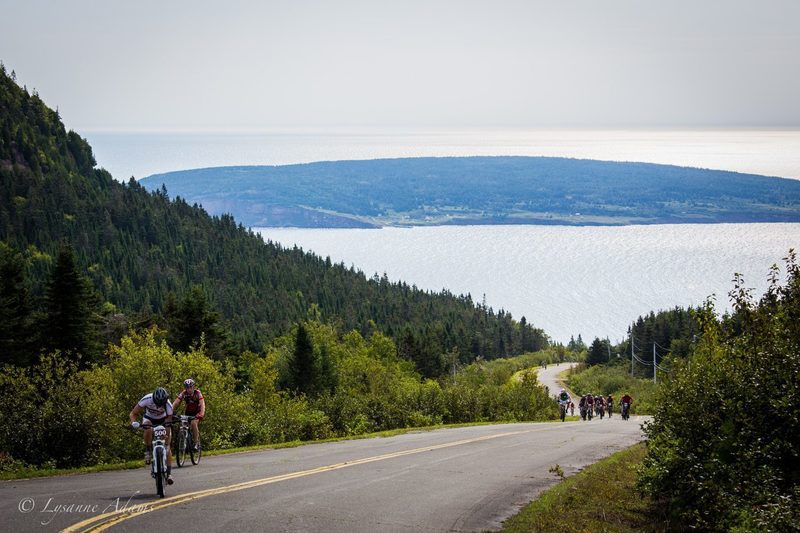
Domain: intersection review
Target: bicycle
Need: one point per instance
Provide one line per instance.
(158, 462)
(563, 407)
(626, 407)
(185, 443)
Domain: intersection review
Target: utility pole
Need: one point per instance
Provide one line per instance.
(631, 353)
(608, 345)
(654, 362)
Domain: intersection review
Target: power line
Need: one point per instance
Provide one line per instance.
(665, 349)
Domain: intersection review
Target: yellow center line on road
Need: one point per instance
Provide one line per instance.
(104, 521)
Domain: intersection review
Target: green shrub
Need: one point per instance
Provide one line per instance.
(524, 400)
(724, 443)
(426, 402)
(136, 367)
(46, 422)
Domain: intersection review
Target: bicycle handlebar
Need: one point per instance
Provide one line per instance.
(151, 426)
(176, 420)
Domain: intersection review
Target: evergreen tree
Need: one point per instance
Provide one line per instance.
(302, 366)
(15, 310)
(576, 345)
(71, 324)
(524, 344)
(193, 320)
(598, 352)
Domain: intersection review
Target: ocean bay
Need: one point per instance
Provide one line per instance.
(567, 280)
(592, 281)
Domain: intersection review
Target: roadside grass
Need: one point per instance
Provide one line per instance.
(19, 471)
(601, 498)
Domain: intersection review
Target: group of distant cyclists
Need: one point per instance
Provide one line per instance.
(591, 405)
(157, 410)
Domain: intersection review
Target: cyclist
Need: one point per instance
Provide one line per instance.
(599, 406)
(590, 406)
(626, 404)
(195, 406)
(157, 412)
(563, 401)
(609, 404)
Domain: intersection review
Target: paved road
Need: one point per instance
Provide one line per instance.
(547, 376)
(455, 479)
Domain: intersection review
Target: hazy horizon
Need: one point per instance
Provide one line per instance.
(766, 152)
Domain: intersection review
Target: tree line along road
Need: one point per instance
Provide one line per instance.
(453, 479)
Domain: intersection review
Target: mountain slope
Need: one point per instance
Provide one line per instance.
(138, 247)
(483, 190)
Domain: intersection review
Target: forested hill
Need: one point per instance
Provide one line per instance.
(148, 256)
(483, 190)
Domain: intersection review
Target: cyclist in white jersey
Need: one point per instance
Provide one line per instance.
(157, 411)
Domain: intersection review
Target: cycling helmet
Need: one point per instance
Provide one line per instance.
(160, 397)
(188, 383)
(562, 390)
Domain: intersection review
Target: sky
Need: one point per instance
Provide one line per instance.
(178, 65)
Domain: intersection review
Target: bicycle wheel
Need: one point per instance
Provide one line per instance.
(195, 454)
(159, 474)
(183, 446)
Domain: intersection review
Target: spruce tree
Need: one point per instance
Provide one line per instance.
(523, 337)
(193, 319)
(598, 353)
(72, 319)
(302, 367)
(15, 310)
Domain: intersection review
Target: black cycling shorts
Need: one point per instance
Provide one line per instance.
(156, 421)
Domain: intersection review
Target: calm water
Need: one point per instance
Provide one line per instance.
(592, 281)
(770, 152)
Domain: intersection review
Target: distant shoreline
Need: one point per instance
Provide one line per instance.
(482, 190)
(516, 223)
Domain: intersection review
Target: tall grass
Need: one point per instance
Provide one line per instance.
(601, 498)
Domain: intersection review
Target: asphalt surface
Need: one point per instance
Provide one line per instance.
(455, 479)
(547, 377)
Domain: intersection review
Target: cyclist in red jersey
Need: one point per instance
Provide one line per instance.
(626, 402)
(195, 406)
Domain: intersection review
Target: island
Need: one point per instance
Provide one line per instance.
(481, 190)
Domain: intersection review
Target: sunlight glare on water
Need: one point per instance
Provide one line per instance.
(567, 280)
